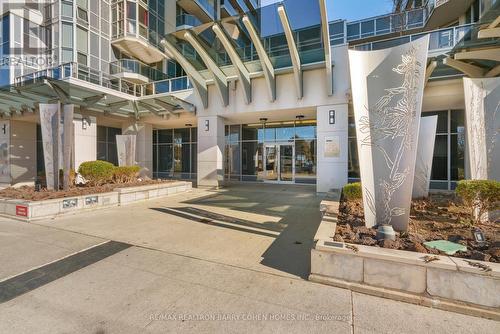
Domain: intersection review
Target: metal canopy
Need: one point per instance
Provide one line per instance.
(477, 53)
(256, 42)
(25, 97)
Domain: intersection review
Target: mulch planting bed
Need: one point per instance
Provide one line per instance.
(436, 218)
(28, 193)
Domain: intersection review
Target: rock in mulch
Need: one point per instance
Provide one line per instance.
(418, 247)
(392, 244)
(368, 241)
(477, 255)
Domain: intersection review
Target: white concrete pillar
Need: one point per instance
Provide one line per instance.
(210, 151)
(332, 152)
(144, 145)
(85, 141)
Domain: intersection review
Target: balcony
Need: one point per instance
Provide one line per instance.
(442, 12)
(187, 21)
(441, 41)
(132, 34)
(88, 75)
(386, 24)
(135, 71)
(204, 10)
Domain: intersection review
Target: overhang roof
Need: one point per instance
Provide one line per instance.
(24, 96)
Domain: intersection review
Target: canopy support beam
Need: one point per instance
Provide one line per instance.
(294, 53)
(267, 66)
(220, 78)
(243, 74)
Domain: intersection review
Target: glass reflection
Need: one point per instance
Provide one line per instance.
(274, 151)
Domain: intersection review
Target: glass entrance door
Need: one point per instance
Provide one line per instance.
(279, 163)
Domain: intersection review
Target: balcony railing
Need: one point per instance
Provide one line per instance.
(441, 40)
(386, 24)
(167, 86)
(85, 73)
(134, 66)
(187, 20)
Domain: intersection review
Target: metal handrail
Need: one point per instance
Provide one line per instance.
(87, 74)
(439, 39)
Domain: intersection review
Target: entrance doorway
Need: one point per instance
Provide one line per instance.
(279, 164)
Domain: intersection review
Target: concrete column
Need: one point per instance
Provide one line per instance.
(22, 152)
(332, 152)
(85, 130)
(144, 145)
(210, 151)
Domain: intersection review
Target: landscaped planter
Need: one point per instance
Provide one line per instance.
(33, 210)
(446, 282)
(141, 193)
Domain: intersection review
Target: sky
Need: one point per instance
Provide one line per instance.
(351, 10)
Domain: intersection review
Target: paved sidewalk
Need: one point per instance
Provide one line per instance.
(192, 275)
(263, 227)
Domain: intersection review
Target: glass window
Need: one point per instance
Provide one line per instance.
(440, 159)
(457, 121)
(182, 135)
(286, 132)
(165, 136)
(304, 131)
(67, 35)
(252, 132)
(353, 162)
(106, 144)
(250, 158)
(270, 134)
(367, 28)
(457, 156)
(305, 161)
(165, 161)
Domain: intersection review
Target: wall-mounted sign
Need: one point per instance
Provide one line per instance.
(70, 203)
(332, 147)
(21, 211)
(91, 200)
(331, 117)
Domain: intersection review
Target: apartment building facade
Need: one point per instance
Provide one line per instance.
(226, 90)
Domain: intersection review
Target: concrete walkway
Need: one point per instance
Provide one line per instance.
(262, 227)
(238, 269)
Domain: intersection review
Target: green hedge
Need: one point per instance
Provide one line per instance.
(480, 196)
(353, 191)
(97, 172)
(126, 174)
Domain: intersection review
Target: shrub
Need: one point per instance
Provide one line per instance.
(97, 172)
(480, 196)
(352, 191)
(126, 174)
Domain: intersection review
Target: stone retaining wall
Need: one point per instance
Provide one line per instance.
(469, 287)
(32, 210)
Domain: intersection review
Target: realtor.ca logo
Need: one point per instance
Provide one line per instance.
(26, 33)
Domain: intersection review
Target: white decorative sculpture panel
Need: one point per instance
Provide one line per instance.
(67, 142)
(5, 152)
(387, 88)
(50, 117)
(482, 118)
(425, 153)
(126, 145)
